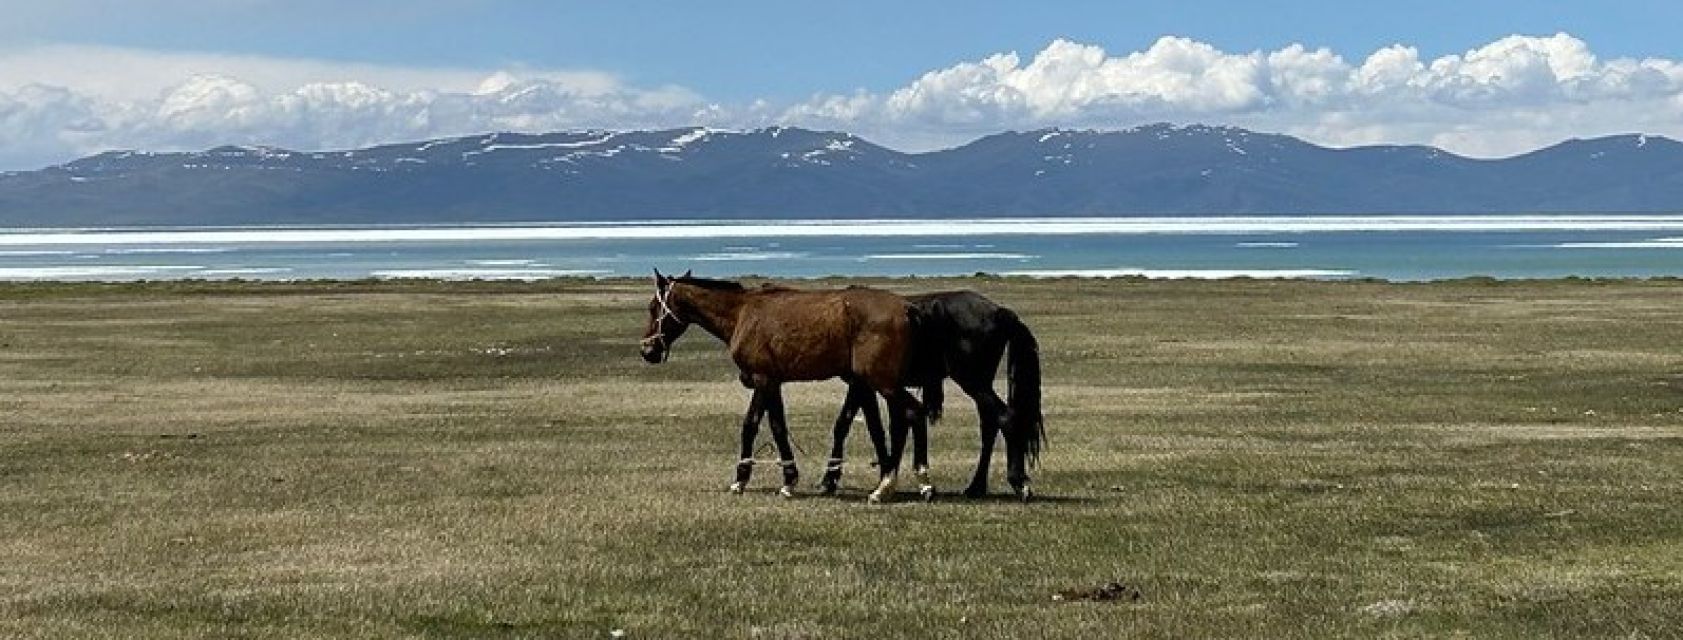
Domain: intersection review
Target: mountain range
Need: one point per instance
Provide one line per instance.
(784, 172)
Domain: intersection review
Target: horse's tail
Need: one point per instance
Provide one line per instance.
(1022, 391)
(925, 368)
(932, 397)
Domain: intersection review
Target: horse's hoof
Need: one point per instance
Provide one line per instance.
(830, 482)
(737, 487)
(973, 492)
(1025, 494)
(786, 492)
(927, 492)
(874, 498)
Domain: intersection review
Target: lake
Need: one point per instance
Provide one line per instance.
(1328, 247)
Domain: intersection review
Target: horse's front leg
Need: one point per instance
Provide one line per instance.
(844, 422)
(780, 435)
(750, 432)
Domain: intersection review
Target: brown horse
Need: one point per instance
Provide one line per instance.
(777, 335)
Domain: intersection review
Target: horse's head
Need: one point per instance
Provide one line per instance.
(664, 325)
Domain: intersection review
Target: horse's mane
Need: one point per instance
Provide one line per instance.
(711, 284)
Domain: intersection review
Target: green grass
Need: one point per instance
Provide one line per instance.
(1261, 459)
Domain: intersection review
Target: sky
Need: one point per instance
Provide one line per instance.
(1480, 78)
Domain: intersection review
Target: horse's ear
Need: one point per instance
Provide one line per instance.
(686, 273)
(660, 280)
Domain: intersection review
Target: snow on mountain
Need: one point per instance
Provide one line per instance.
(792, 172)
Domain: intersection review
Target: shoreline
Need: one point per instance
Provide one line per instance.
(673, 229)
(979, 279)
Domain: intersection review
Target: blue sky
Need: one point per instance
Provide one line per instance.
(83, 75)
(745, 50)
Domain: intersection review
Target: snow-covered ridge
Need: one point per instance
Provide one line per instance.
(491, 145)
(674, 142)
(697, 134)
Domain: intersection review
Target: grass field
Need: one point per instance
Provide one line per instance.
(1260, 459)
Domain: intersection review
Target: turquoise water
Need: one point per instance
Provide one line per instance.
(1396, 248)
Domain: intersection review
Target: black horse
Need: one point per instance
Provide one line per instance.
(963, 335)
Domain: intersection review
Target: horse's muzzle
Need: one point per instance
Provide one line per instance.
(652, 351)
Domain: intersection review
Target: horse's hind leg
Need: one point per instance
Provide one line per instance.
(780, 435)
(873, 426)
(920, 458)
(1016, 469)
(858, 395)
(889, 465)
(991, 410)
(750, 431)
(903, 411)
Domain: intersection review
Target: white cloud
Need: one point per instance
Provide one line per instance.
(1070, 80)
(38, 121)
(60, 102)
(1511, 95)
(117, 73)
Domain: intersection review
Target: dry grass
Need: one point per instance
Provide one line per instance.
(1261, 459)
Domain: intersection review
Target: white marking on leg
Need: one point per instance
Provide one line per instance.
(925, 487)
(885, 488)
(739, 485)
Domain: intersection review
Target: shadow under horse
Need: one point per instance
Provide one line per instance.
(963, 335)
(778, 334)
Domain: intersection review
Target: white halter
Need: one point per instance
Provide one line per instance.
(665, 312)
